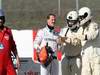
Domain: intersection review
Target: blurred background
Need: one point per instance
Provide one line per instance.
(29, 14)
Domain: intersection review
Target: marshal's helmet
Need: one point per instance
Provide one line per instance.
(72, 19)
(84, 15)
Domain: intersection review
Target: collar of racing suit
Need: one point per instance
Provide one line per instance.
(50, 28)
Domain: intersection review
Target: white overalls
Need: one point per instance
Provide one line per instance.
(91, 50)
(71, 64)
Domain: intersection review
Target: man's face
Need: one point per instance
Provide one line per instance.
(1, 22)
(51, 21)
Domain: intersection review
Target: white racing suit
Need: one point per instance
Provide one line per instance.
(46, 36)
(71, 63)
(91, 50)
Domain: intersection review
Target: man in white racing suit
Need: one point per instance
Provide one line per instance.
(90, 37)
(44, 36)
(71, 63)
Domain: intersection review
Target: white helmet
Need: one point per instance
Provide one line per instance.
(72, 19)
(84, 15)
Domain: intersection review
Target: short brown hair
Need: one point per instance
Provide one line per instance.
(48, 16)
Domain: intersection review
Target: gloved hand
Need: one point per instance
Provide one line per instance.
(61, 40)
(35, 56)
(76, 42)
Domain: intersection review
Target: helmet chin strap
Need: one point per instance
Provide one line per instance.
(75, 28)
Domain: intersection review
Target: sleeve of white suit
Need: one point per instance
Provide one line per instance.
(62, 32)
(38, 39)
(93, 31)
